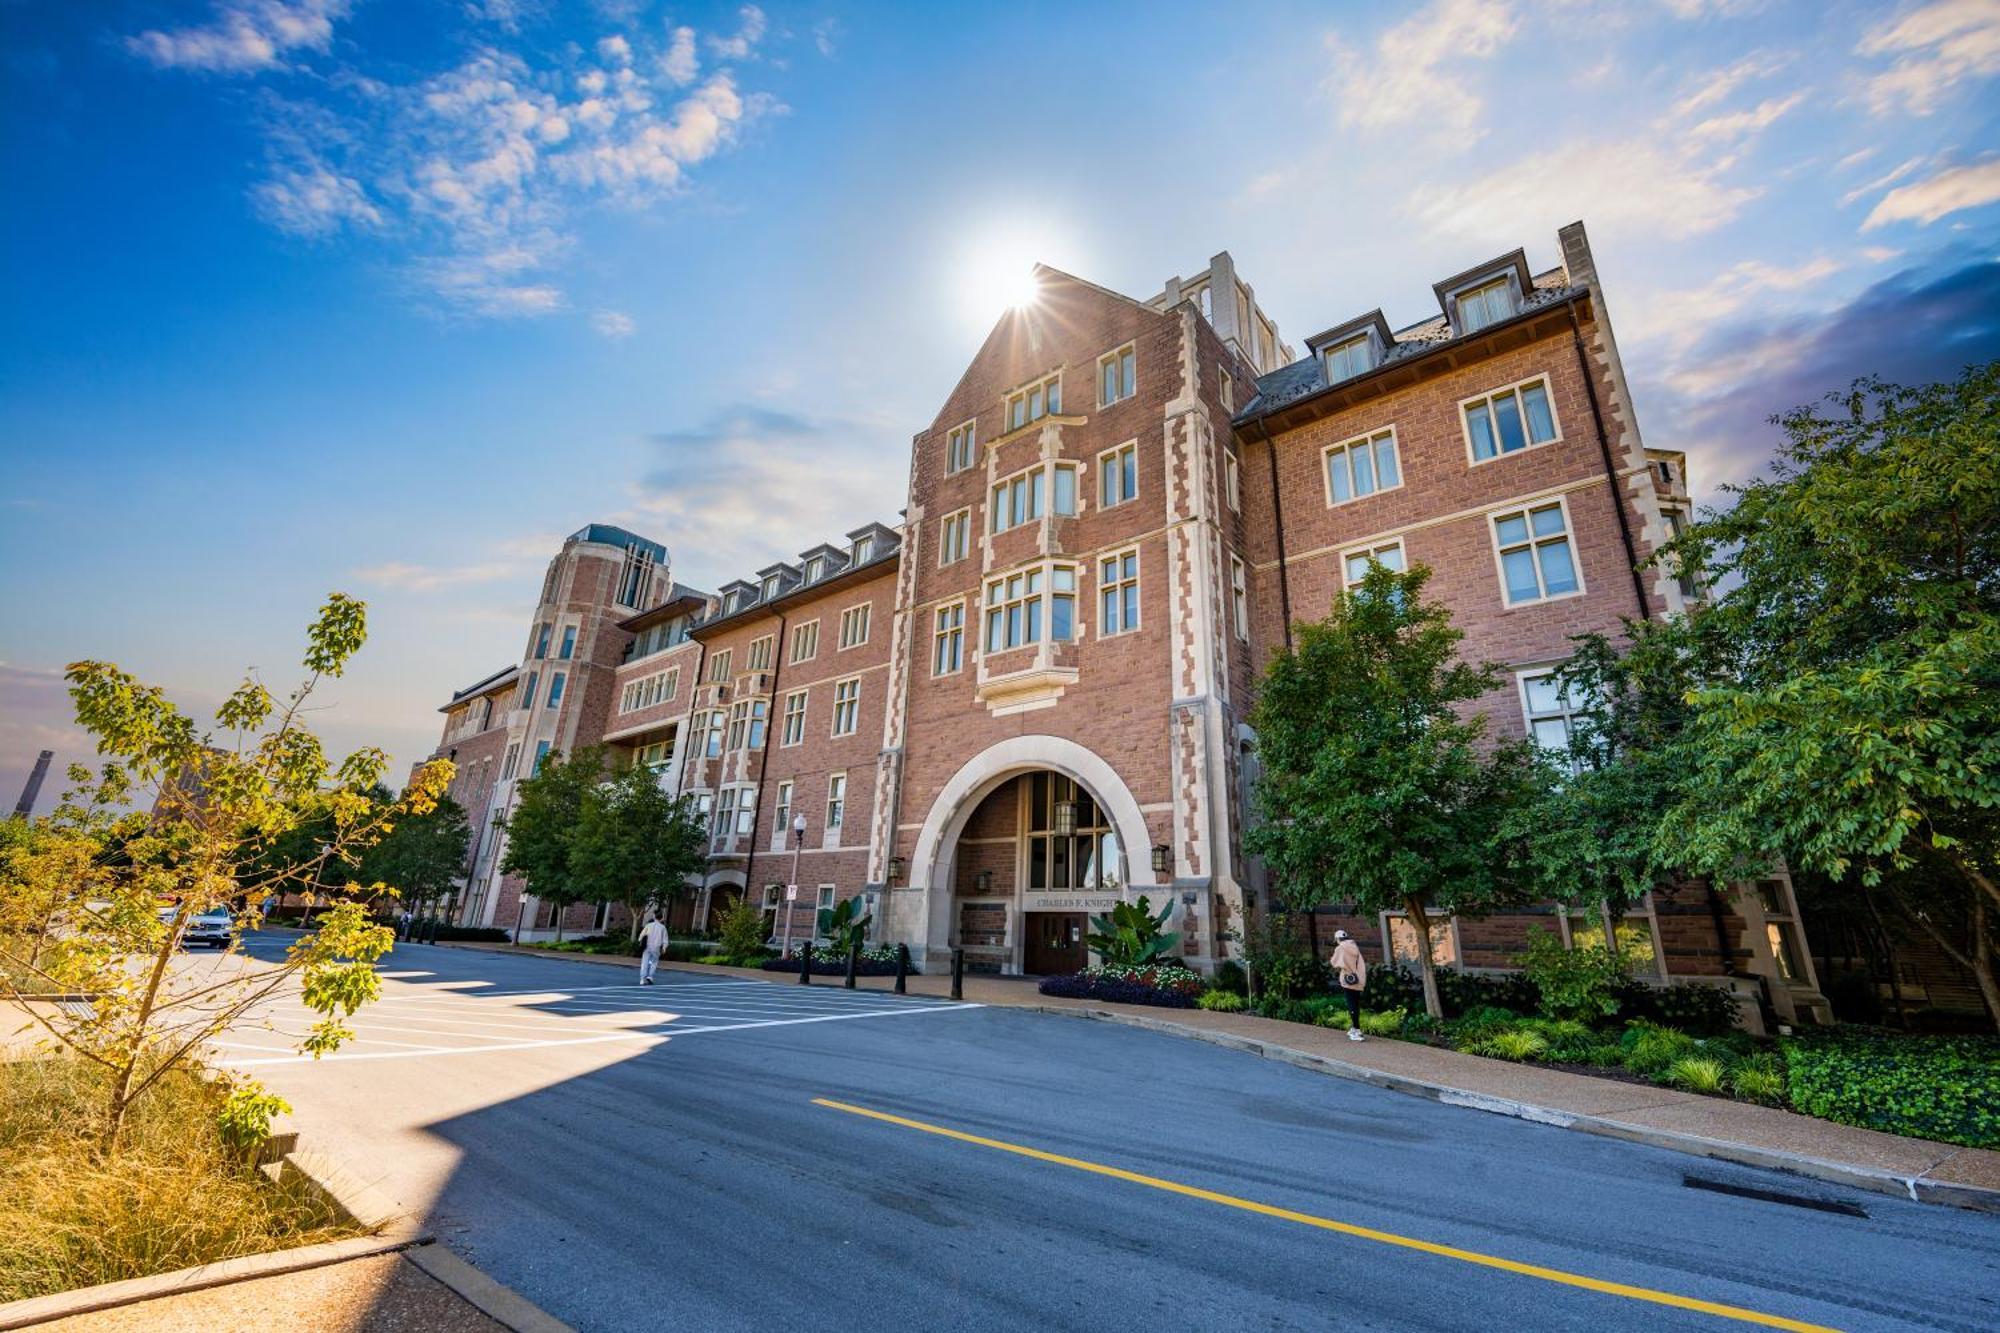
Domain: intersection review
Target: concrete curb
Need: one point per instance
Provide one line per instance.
(503, 1305)
(1917, 1187)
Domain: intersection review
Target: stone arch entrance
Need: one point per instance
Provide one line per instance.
(937, 868)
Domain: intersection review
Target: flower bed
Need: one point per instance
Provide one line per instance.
(875, 962)
(1165, 986)
(1944, 1088)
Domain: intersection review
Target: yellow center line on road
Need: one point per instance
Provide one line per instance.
(1647, 1294)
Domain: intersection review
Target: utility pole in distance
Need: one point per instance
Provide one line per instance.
(25, 807)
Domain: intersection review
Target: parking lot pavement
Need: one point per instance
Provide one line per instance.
(415, 1020)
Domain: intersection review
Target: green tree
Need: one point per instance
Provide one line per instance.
(1855, 727)
(635, 842)
(541, 830)
(422, 857)
(220, 799)
(1379, 784)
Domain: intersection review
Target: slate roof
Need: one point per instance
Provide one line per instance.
(836, 564)
(1307, 376)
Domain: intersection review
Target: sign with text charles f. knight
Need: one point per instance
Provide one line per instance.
(1069, 902)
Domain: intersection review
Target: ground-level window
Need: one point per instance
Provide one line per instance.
(1403, 944)
(1781, 930)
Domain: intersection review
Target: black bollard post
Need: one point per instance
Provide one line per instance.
(806, 963)
(431, 931)
(958, 974)
(853, 962)
(902, 969)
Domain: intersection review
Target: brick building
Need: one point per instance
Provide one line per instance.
(1030, 699)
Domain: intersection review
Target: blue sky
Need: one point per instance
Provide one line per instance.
(386, 297)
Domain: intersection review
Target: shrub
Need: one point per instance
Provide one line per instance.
(876, 962)
(1464, 991)
(1944, 1088)
(1168, 987)
(1392, 986)
(1510, 1044)
(740, 932)
(1222, 1002)
(1230, 977)
(1653, 1050)
(1761, 1078)
(1483, 1021)
(1572, 983)
(1306, 1010)
(1131, 935)
(1696, 1007)
(1697, 1073)
(1282, 960)
(1385, 1023)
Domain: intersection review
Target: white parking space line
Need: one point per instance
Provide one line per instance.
(654, 1037)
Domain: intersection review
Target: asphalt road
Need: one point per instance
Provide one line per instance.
(666, 1158)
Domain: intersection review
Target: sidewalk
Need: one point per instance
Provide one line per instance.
(1641, 1113)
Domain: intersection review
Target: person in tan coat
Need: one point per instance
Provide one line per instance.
(1350, 973)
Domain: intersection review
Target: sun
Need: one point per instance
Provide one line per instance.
(995, 270)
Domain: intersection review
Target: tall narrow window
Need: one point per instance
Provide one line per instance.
(1117, 475)
(836, 801)
(1509, 420)
(1232, 480)
(1359, 467)
(794, 730)
(568, 642)
(1117, 377)
(954, 536)
(1239, 597)
(556, 683)
(948, 640)
(541, 753)
(1535, 557)
(805, 641)
(542, 641)
(512, 761)
(712, 741)
(781, 814)
(1062, 489)
(528, 690)
(846, 707)
(1228, 390)
(1118, 593)
(854, 626)
(959, 447)
(1062, 603)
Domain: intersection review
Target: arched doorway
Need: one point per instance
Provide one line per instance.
(1023, 843)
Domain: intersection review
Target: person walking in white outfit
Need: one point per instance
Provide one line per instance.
(1350, 973)
(652, 942)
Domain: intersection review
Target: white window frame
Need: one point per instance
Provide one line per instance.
(1345, 448)
(1232, 479)
(781, 815)
(1373, 550)
(954, 537)
(1503, 284)
(836, 804)
(811, 572)
(858, 614)
(849, 706)
(789, 734)
(1043, 596)
(948, 639)
(806, 634)
(1525, 509)
(1034, 400)
(1566, 713)
(1034, 485)
(759, 658)
(1124, 363)
(1364, 341)
(718, 665)
(1239, 596)
(1117, 456)
(1487, 397)
(1118, 583)
(961, 447)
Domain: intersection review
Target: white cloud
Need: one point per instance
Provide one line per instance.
(1884, 181)
(1739, 124)
(747, 36)
(311, 199)
(614, 324)
(824, 34)
(1934, 48)
(1718, 85)
(1673, 320)
(1631, 185)
(246, 36)
(1404, 79)
(679, 65)
(431, 578)
(1947, 192)
(614, 49)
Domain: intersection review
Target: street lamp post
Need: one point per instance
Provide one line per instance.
(791, 890)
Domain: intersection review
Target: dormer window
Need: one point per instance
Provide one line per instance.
(813, 568)
(1485, 304)
(1346, 360)
(862, 547)
(770, 587)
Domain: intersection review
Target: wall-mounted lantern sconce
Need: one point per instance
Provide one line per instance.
(983, 881)
(1162, 858)
(1065, 818)
(896, 867)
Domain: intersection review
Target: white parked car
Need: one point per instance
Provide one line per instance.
(215, 927)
